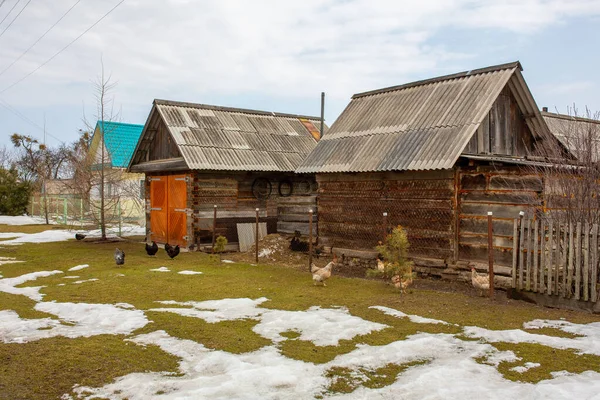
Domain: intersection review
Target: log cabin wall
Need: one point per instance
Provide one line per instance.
(351, 207)
(503, 190)
(236, 203)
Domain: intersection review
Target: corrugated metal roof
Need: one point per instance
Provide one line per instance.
(575, 133)
(418, 126)
(222, 138)
(120, 140)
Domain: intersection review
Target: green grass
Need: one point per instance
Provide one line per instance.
(48, 368)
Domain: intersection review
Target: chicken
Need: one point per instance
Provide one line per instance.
(322, 274)
(79, 236)
(481, 282)
(172, 251)
(403, 282)
(296, 244)
(151, 249)
(380, 265)
(119, 257)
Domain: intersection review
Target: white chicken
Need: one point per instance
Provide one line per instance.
(481, 282)
(322, 274)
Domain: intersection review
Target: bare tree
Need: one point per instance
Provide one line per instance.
(7, 158)
(33, 164)
(570, 168)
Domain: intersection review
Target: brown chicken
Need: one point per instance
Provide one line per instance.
(403, 282)
(481, 282)
(322, 274)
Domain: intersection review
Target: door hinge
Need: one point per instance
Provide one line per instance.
(155, 209)
(185, 237)
(154, 179)
(180, 210)
(186, 179)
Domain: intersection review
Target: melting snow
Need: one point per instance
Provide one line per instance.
(9, 260)
(83, 320)
(7, 285)
(524, 368)
(413, 318)
(228, 261)
(189, 272)
(21, 220)
(86, 280)
(78, 267)
(217, 310)
(161, 269)
(71, 277)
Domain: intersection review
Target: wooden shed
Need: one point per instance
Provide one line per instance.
(436, 156)
(198, 156)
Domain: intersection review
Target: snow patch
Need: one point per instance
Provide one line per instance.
(524, 368)
(86, 280)
(189, 272)
(7, 285)
(161, 269)
(82, 320)
(71, 277)
(213, 311)
(8, 260)
(413, 318)
(21, 220)
(78, 267)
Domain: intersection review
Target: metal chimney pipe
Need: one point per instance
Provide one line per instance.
(322, 115)
(545, 109)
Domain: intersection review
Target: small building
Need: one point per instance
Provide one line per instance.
(124, 189)
(435, 155)
(198, 156)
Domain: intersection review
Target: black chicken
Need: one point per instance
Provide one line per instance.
(296, 244)
(172, 251)
(151, 249)
(79, 236)
(119, 257)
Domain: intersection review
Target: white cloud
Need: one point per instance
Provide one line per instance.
(189, 50)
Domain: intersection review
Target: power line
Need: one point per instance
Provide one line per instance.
(40, 38)
(61, 50)
(15, 18)
(24, 118)
(9, 11)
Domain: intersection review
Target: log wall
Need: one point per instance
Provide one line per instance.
(351, 208)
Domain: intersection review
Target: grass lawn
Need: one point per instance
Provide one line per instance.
(50, 367)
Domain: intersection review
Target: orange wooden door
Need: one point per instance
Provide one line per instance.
(158, 209)
(177, 206)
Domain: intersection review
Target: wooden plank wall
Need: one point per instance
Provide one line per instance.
(351, 208)
(232, 193)
(503, 131)
(503, 190)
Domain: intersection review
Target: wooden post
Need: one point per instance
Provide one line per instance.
(594, 245)
(578, 263)
(564, 261)
(491, 253)
(520, 252)
(256, 237)
(214, 228)
(541, 285)
(515, 257)
(81, 209)
(571, 256)
(586, 261)
(550, 259)
(119, 215)
(385, 226)
(310, 238)
(528, 259)
(535, 255)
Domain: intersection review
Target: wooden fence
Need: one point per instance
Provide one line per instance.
(556, 258)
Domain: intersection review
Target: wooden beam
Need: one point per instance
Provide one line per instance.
(174, 164)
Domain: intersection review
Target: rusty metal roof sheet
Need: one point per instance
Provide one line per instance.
(233, 139)
(418, 126)
(575, 133)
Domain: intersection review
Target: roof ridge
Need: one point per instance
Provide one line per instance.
(231, 109)
(499, 67)
(118, 122)
(569, 117)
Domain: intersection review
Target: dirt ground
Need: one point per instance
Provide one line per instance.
(274, 250)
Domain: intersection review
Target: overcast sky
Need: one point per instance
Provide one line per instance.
(277, 55)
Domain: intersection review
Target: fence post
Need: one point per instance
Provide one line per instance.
(65, 210)
(491, 254)
(119, 215)
(214, 229)
(520, 249)
(81, 209)
(256, 237)
(310, 221)
(385, 226)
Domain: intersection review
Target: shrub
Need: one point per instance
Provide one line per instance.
(394, 253)
(14, 195)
